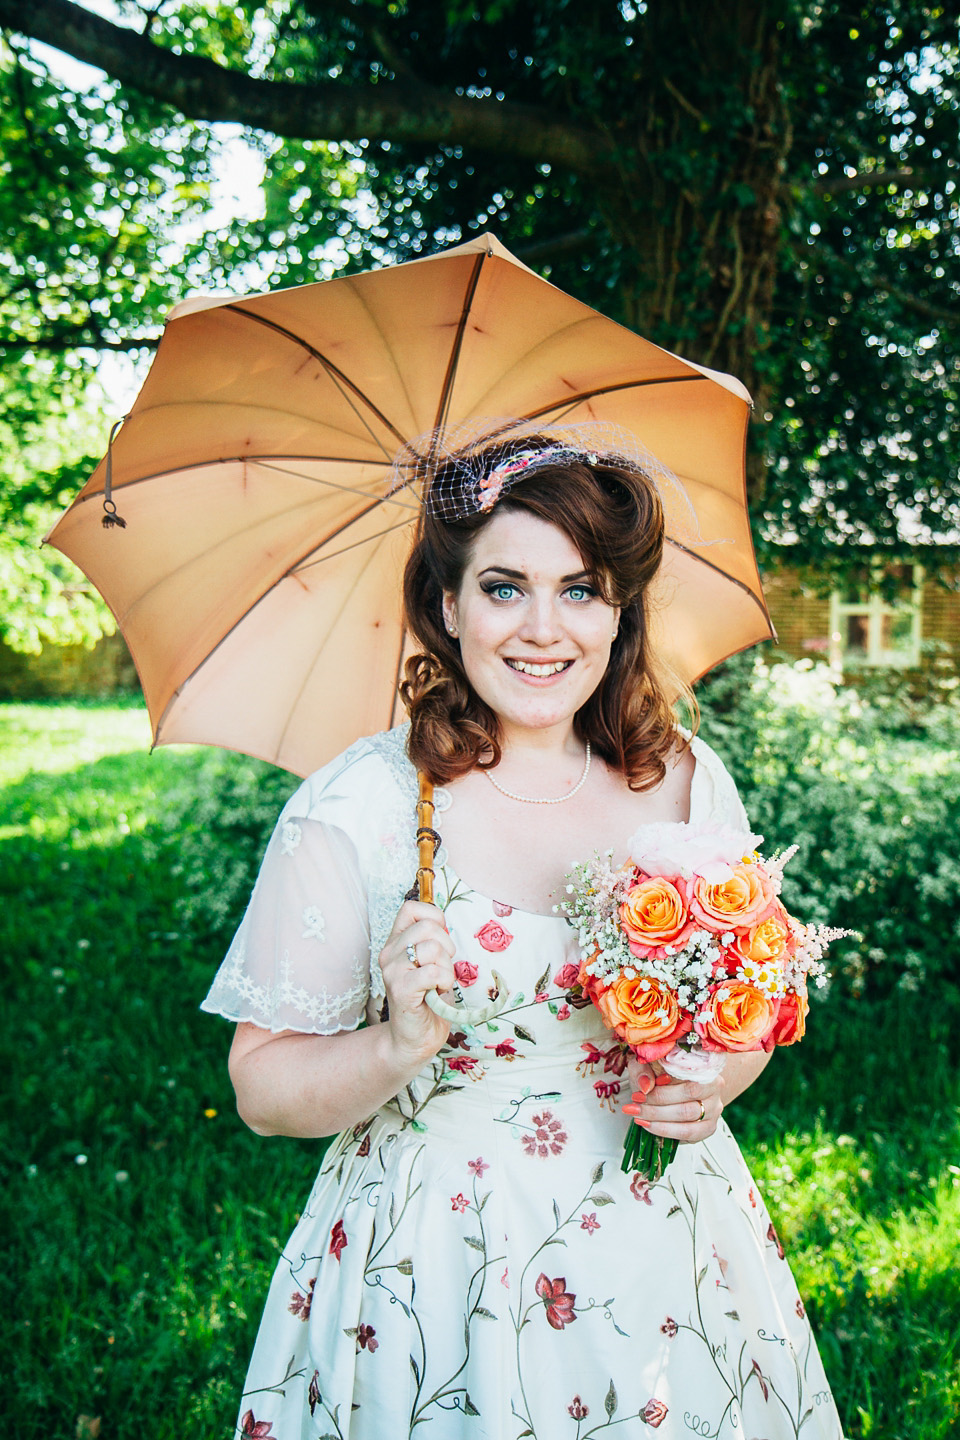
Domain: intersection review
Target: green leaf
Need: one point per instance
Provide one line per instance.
(474, 1242)
(468, 1406)
(523, 1034)
(602, 1198)
(610, 1400)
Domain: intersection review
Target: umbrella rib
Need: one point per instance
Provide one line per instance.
(346, 386)
(263, 460)
(389, 499)
(287, 574)
(396, 678)
(718, 570)
(329, 631)
(446, 390)
(307, 564)
(572, 401)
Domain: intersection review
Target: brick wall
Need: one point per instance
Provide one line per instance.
(67, 670)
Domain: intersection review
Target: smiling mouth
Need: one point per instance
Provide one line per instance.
(526, 667)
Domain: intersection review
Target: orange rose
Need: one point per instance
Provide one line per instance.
(768, 941)
(735, 904)
(792, 1019)
(644, 1013)
(737, 1017)
(655, 913)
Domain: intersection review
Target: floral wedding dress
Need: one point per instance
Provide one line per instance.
(472, 1264)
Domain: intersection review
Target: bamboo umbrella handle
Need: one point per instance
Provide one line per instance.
(427, 842)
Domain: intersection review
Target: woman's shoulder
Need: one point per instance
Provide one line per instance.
(713, 790)
(373, 773)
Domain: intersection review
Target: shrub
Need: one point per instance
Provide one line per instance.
(871, 794)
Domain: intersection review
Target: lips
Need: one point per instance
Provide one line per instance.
(539, 671)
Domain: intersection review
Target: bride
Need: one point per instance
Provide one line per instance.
(471, 1261)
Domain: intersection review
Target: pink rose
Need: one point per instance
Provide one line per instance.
(654, 1413)
(502, 910)
(466, 972)
(493, 936)
(566, 976)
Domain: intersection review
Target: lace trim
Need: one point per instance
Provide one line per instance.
(396, 863)
(320, 1009)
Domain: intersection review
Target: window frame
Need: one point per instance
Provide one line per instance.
(877, 609)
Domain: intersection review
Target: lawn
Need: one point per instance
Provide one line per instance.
(142, 1220)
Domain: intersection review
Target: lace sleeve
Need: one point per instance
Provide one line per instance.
(713, 795)
(301, 959)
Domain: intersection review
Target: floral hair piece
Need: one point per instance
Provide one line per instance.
(467, 469)
(490, 487)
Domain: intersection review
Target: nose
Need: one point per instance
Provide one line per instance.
(541, 624)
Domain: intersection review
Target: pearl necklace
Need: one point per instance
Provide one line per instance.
(533, 800)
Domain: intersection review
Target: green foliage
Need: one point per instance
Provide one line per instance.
(869, 789)
(141, 1222)
(44, 599)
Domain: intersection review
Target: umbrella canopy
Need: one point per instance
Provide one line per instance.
(256, 579)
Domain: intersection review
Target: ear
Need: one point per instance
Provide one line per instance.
(614, 623)
(450, 613)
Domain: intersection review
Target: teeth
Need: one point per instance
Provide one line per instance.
(538, 670)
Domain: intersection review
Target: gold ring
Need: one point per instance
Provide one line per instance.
(702, 1112)
(412, 956)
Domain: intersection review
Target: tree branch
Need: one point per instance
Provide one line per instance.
(399, 110)
(883, 287)
(543, 252)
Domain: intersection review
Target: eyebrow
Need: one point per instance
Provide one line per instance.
(521, 575)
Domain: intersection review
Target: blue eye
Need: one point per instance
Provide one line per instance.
(581, 592)
(502, 591)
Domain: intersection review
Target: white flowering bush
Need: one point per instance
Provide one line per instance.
(870, 793)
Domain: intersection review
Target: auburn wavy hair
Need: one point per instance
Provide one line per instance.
(610, 509)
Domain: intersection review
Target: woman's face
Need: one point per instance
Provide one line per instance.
(534, 633)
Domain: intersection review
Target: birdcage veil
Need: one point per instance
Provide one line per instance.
(465, 469)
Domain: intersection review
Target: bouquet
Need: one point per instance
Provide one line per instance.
(689, 955)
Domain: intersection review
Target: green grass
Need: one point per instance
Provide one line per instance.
(142, 1220)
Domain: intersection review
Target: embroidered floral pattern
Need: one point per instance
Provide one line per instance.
(548, 1138)
(654, 1413)
(557, 1301)
(300, 1303)
(338, 1239)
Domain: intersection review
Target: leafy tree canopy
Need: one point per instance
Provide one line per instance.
(766, 186)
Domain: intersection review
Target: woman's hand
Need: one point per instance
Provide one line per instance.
(416, 1033)
(671, 1108)
(676, 1109)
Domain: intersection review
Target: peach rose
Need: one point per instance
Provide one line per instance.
(655, 913)
(767, 942)
(644, 1013)
(735, 904)
(737, 1017)
(792, 1019)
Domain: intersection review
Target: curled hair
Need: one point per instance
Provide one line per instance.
(610, 510)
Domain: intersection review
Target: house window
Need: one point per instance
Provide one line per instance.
(875, 619)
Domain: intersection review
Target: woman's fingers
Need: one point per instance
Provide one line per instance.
(677, 1111)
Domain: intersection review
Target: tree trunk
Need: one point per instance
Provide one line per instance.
(699, 212)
